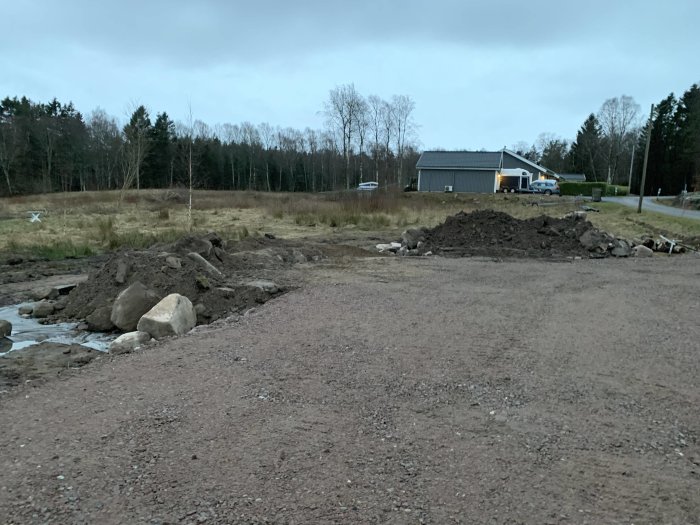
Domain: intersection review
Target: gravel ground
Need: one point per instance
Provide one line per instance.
(389, 390)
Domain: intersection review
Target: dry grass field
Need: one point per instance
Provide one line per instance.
(85, 223)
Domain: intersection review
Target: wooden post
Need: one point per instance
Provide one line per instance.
(646, 158)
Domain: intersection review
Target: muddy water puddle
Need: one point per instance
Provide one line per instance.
(27, 331)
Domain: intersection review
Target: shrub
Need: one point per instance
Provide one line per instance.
(582, 188)
(616, 191)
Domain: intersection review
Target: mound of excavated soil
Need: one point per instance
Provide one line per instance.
(496, 234)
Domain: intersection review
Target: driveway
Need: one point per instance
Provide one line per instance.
(650, 204)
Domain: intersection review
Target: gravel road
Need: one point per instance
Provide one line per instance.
(391, 390)
(650, 204)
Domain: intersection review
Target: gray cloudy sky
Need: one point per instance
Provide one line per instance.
(483, 74)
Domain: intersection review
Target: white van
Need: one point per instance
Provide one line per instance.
(368, 186)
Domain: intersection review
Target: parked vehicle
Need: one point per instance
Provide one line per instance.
(368, 186)
(547, 186)
(514, 180)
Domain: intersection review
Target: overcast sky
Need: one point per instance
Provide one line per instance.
(483, 74)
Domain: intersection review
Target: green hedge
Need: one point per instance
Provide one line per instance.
(585, 189)
(616, 191)
(581, 188)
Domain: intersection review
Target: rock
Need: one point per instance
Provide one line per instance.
(214, 239)
(200, 309)
(298, 256)
(131, 304)
(173, 262)
(621, 248)
(100, 320)
(128, 342)
(642, 251)
(14, 260)
(123, 267)
(209, 267)
(42, 309)
(25, 309)
(384, 247)
(648, 242)
(269, 236)
(265, 286)
(5, 328)
(174, 315)
(191, 244)
(411, 237)
(202, 282)
(64, 289)
(595, 241)
(5, 345)
(43, 293)
(44, 359)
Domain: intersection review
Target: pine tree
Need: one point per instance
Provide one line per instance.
(586, 149)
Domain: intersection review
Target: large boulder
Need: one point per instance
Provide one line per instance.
(128, 342)
(621, 248)
(595, 241)
(411, 237)
(174, 315)
(190, 244)
(642, 251)
(5, 328)
(42, 309)
(5, 345)
(100, 320)
(131, 304)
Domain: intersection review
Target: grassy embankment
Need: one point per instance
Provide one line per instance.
(84, 223)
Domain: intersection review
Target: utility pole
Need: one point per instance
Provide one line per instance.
(646, 158)
(629, 181)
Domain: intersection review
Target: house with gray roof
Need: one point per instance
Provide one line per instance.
(471, 171)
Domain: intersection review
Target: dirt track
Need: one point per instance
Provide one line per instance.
(397, 390)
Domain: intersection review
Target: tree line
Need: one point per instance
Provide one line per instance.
(47, 147)
(610, 144)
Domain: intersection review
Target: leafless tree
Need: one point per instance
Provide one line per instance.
(362, 126)
(341, 112)
(104, 143)
(619, 119)
(232, 135)
(403, 107)
(267, 138)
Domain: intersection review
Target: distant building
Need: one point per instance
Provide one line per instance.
(572, 177)
(471, 171)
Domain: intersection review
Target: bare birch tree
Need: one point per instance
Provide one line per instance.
(341, 112)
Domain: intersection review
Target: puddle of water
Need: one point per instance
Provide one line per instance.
(27, 332)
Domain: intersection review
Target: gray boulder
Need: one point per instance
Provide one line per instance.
(621, 248)
(209, 267)
(131, 304)
(173, 262)
(46, 292)
(191, 244)
(5, 328)
(128, 342)
(642, 251)
(411, 237)
(100, 320)
(25, 309)
(595, 240)
(5, 345)
(42, 309)
(174, 315)
(265, 286)
(123, 268)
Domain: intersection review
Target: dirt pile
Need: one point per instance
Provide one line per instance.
(215, 275)
(496, 234)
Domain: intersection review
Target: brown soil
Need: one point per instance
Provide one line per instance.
(497, 234)
(387, 390)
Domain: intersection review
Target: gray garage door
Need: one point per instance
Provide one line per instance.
(472, 181)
